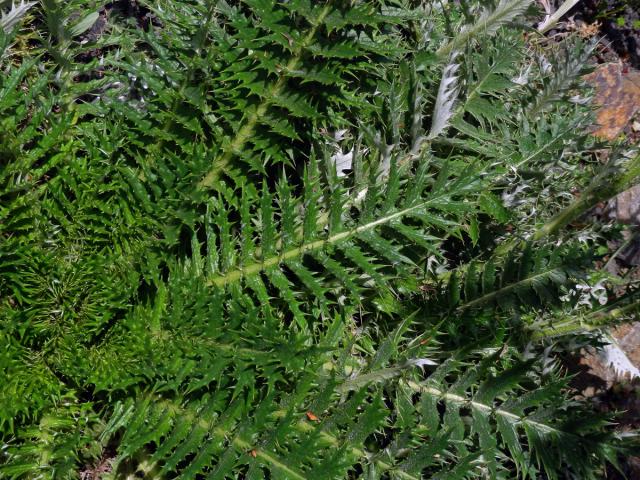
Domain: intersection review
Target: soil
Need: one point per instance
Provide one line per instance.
(619, 23)
(100, 469)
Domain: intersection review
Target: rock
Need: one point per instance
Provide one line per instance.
(628, 337)
(617, 93)
(627, 206)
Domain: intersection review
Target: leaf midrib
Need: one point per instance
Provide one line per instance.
(509, 288)
(254, 268)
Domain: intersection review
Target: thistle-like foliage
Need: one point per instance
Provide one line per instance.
(530, 276)
(10, 18)
(490, 19)
(250, 80)
(293, 240)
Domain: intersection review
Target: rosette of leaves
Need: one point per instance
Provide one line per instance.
(176, 307)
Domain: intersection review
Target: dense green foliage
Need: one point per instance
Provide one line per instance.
(296, 240)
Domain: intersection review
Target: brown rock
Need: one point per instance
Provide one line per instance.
(617, 93)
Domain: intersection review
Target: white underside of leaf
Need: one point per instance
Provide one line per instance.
(614, 357)
(446, 99)
(11, 18)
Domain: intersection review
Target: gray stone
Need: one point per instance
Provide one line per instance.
(627, 206)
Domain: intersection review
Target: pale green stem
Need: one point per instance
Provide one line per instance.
(604, 187)
(252, 269)
(593, 321)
